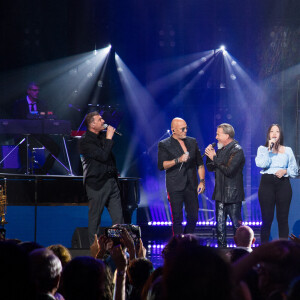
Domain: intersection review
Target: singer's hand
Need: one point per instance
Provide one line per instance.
(271, 143)
(201, 187)
(281, 173)
(110, 131)
(184, 157)
(210, 152)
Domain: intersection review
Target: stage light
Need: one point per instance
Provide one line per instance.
(233, 63)
(201, 72)
(233, 77)
(222, 48)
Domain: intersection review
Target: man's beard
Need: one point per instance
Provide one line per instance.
(220, 146)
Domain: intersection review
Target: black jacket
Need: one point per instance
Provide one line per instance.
(97, 159)
(169, 149)
(228, 166)
(21, 108)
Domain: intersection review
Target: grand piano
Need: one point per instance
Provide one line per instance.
(56, 190)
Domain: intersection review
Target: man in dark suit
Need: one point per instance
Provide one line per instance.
(30, 108)
(180, 157)
(100, 176)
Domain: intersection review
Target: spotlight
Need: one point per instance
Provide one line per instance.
(95, 52)
(233, 77)
(201, 72)
(222, 48)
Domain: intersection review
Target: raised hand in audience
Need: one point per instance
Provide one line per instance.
(120, 259)
(141, 250)
(128, 242)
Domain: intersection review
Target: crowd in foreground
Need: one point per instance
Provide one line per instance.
(122, 271)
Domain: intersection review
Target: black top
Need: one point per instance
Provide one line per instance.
(97, 159)
(228, 166)
(176, 178)
(21, 108)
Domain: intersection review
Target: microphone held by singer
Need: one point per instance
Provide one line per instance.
(213, 145)
(117, 132)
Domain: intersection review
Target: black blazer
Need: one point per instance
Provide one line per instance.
(21, 108)
(97, 158)
(169, 149)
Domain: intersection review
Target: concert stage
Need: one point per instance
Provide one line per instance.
(48, 208)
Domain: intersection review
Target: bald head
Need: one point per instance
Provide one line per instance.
(179, 128)
(244, 236)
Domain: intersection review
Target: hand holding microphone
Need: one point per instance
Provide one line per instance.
(210, 151)
(272, 143)
(183, 158)
(110, 131)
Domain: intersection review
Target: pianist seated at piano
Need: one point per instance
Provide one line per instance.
(31, 107)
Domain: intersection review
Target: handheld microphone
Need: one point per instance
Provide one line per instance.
(272, 144)
(182, 162)
(213, 145)
(117, 132)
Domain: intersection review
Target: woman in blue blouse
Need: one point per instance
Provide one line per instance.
(278, 163)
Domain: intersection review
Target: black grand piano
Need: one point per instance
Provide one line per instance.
(33, 189)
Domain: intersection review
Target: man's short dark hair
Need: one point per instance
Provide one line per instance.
(89, 118)
(31, 84)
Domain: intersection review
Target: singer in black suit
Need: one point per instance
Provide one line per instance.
(100, 176)
(180, 157)
(30, 108)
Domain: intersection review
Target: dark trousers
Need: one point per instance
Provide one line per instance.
(189, 198)
(274, 191)
(222, 211)
(109, 196)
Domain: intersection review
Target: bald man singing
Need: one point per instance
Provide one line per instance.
(180, 157)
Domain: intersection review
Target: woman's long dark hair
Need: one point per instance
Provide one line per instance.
(280, 140)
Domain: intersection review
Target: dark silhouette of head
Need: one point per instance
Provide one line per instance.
(244, 237)
(46, 270)
(196, 272)
(15, 272)
(139, 271)
(84, 278)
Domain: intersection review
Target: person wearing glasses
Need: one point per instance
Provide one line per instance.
(227, 163)
(31, 107)
(179, 156)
